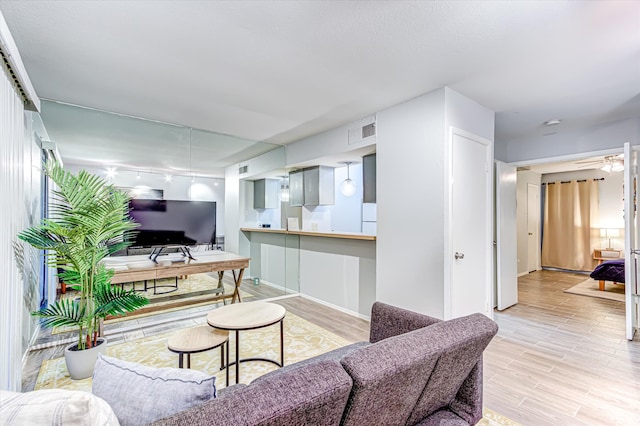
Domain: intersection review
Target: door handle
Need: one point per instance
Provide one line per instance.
(459, 255)
(530, 233)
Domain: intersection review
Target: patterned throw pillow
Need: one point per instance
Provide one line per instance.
(140, 395)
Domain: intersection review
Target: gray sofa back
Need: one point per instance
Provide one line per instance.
(314, 395)
(461, 342)
(405, 378)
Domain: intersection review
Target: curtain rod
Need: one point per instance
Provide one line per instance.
(568, 181)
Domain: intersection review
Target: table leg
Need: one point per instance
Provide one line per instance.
(238, 281)
(282, 342)
(237, 356)
(180, 359)
(227, 362)
(188, 360)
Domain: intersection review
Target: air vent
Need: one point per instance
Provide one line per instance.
(369, 130)
(362, 130)
(243, 169)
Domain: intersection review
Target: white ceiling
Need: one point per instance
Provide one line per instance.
(277, 71)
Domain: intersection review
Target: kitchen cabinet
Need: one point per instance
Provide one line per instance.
(296, 188)
(265, 194)
(369, 178)
(319, 186)
(313, 186)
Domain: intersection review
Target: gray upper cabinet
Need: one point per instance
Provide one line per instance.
(296, 188)
(265, 194)
(369, 178)
(313, 186)
(319, 186)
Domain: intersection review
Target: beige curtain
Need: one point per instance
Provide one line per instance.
(570, 214)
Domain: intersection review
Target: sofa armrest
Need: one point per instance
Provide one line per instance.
(468, 401)
(388, 321)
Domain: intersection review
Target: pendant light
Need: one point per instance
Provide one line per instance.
(283, 194)
(348, 187)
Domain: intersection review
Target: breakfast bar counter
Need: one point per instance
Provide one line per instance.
(327, 234)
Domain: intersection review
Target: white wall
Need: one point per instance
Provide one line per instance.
(525, 178)
(410, 204)
(601, 137)
(411, 196)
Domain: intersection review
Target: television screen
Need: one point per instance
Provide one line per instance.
(166, 222)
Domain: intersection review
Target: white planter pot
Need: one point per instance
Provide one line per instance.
(80, 363)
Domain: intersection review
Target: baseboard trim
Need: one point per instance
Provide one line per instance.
(336, 307)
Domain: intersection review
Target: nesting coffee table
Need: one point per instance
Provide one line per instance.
(249, 316)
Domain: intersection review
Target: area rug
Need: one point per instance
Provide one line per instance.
(194, 290)
(590, 288)
(302, 340)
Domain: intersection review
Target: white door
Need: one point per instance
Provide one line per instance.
(470, 248)
(506, 236)
(533, 227)
(631, 239)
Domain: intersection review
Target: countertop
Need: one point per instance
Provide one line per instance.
(326, 234)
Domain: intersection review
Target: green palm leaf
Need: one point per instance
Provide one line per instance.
(64, 312)
(89, 220)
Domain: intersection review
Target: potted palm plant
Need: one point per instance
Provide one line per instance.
(89, 221)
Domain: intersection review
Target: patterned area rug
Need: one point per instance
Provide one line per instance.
(302, 340)
(194, 290)
(591, 288)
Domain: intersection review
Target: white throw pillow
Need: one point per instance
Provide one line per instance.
(140, 395)
(55, 407)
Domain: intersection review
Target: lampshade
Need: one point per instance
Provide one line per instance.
(348, 187)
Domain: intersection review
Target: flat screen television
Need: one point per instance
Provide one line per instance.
(173, 222)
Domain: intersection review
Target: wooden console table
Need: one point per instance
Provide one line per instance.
(139, 267)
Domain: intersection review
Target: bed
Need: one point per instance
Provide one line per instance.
(609, 270)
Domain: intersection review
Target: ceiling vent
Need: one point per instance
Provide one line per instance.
(368, 130)
(362, 130)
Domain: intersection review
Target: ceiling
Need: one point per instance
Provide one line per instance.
(277, 71)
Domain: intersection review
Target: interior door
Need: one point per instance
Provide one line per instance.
(506, 236)
(631, 239)
(471, 244)
(533, 227)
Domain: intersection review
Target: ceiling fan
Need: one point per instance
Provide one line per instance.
(609, 163)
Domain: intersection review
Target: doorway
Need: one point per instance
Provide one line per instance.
(533, 227)
(469, 252)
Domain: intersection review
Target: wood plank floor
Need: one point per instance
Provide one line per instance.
(558, 359)
(562, 359)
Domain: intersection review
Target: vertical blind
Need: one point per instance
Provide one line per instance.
(12, 194)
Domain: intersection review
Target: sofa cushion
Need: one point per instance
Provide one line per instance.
(139, 394)
(55, 407)
(388, 378)
(462, 342)
(314, 394)
(388, 321)
(334, 355)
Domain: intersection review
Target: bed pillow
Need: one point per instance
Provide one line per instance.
(55, 407)
(140, 395)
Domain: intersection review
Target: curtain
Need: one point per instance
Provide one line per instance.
(570, 217)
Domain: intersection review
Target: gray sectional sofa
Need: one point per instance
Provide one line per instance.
(415, 370)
